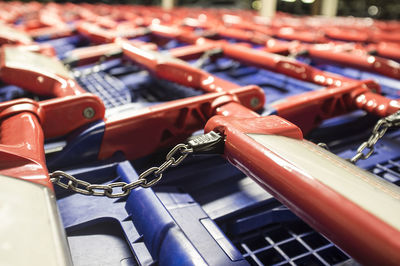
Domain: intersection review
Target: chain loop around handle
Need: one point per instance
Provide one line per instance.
(367, 148)
(147, 179)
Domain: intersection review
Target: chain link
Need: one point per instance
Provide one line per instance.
(148, 178)
(366, 149)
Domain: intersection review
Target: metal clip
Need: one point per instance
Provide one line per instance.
(394, 119)
(210, 143)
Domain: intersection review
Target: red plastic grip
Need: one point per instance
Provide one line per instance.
(261, 147)
(377, 104)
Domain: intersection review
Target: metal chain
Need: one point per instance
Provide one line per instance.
(147, 179)
(366, 148)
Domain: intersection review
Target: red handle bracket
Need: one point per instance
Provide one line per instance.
(140, 133)
(21, 147)
(307, 110)
(59, 116)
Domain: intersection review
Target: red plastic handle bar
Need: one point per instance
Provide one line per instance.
(140, 133)
(200, 44)
(386, 36)
(52, 32)
(329, 193)
(100, 35)
(283, 65)
(280, 47)
(388, 50)
(368, 62)
(299, 35)
(243, 35)
(95, 33)
(41, 74)
(175, 70)
(347, 34)
(376, 104)
(92, 54)
(268, 61)
(256, 28)
(194, 51)
(177, 33)
(272, 62)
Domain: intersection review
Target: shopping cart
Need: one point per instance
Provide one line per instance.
(189, 207)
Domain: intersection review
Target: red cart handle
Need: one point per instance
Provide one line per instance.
(386, 49)
(177, 33)
(41, 74)
(372, 63)
(92, 54)
(307, 36)
(27, 195)
(263, 59)
(100, 35)
(353, 208)
(176, 70)
(52, 32)
(283, 65)
(350, 35)
(195, 51)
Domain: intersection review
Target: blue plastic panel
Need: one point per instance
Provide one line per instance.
(286, 240)
(10, 92)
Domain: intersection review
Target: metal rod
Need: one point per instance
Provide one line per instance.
(329, 8)
(268, 8)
